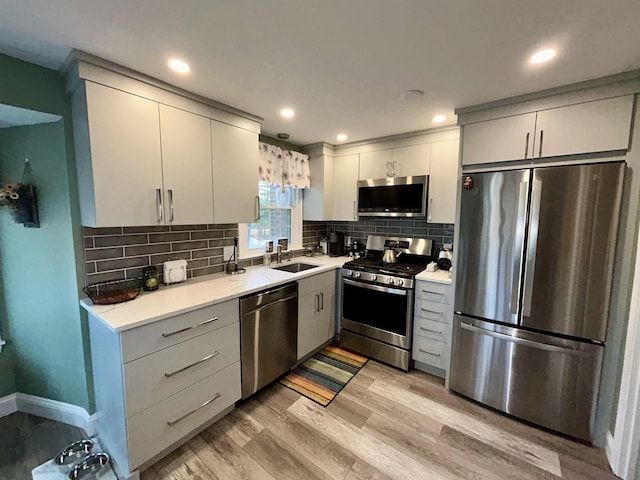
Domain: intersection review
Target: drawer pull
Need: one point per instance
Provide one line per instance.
(190, 328)
(171, 423)
(432, 331)
(431, 311)
(429, 353)
(433, 293)
(208, 357)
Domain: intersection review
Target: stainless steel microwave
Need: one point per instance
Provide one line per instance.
(393, 197)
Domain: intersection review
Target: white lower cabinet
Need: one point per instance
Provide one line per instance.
(316, 312)
(159, 384)
(432, 326)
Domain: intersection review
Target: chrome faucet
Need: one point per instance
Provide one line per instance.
(279, 254)
(283, 245)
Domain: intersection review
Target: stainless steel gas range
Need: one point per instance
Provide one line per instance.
(377, 299)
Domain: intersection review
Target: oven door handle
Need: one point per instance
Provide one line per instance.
(377, 288)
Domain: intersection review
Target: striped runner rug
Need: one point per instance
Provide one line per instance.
(321, 377)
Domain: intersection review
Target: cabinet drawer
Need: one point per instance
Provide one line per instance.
(156, 428)
(438, 312)
(434, 292)
(431, 352)
(430, 329)
(315, 283)
(147, 339)
(150, 379)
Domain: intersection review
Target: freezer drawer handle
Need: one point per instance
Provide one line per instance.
(429, 330)
(431, 311)
(189, 328)
(171, 423)
(524, 341)
(202, 360)
(433, 293)
(429, 353)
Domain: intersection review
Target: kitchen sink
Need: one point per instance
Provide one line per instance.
(295, 267)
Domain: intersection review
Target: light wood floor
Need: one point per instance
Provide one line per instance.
(385, 424)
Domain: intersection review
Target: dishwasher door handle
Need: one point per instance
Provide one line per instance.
(280, 300)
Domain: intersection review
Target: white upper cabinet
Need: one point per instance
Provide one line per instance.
(376, 164)
(443, 181)
(235, 174)
(592, 127)
(395, 162)
(345, 187)
(599, 126)
(118, 148)
(186, 167)
(501, 140)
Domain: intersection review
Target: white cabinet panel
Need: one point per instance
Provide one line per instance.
(501, 140)
(316, 312)
(186, 165)
(235, 173)
(443, 181)
(411, 160)
(345, 188)
(124, 158)
(431, 352)
(377, 164)
(599, 126)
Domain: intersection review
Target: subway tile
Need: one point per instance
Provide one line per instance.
(436, 231)
(146, 229)
(168, 237)
(88, 242)
(90, 267)
(121, 263)
(223, 242)
(190, 245)
(207, 252)
(133, 272)
(207, 234)
(231, 232)
(94, 232)
(187, 228)
(394, 230)
(218, 260)
(158, 259)
(147, 249)
(105, 276)
(198, 272)
(222, 226)
(104, 253)
(115, 240)
(202, 262)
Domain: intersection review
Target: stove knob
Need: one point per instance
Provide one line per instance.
(374, 277)
(399, 283)
(349, 272)
(390, 281)
(358, 274)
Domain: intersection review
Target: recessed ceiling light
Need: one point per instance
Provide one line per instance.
(438, 119)
(179, 66)
(287, 113)
(341, 137)
(543, 56)
(411, 95)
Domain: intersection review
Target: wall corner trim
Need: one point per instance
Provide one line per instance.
(51, 409)
(610, 449)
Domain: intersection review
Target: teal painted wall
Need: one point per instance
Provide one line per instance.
(41, 268)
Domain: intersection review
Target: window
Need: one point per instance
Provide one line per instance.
(280, 217)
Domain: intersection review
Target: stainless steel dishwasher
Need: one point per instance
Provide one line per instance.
(269, 336)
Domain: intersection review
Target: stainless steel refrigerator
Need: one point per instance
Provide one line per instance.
(533, 279)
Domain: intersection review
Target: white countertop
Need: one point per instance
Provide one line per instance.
(200, 292)
(439, 276)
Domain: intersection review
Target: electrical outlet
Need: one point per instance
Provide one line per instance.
(227, 252)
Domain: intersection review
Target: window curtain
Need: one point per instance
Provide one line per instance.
(283, 168)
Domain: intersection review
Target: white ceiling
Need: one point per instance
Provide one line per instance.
(341, 64)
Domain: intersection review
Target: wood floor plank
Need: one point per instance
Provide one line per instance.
(225, 458)
(363, 471)
(533, 453)
(187, 466)
(379, 455)
(325, 454)
(575, 469)
(240, 427)
(280, 460)
(350, 411)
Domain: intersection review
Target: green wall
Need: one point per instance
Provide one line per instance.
(40, 267)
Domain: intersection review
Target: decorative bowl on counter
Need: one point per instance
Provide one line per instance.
(116, 291)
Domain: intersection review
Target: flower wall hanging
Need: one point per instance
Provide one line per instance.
(21, 199)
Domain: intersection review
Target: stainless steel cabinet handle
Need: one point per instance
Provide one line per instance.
(429, 353)
(316, 303)
(431, 311)
(171, 423)
(190, 328)
(321, 301)
(429, 330)
(541, 138)
(394, 168)
(170, 194)
(257, 207)
(355, 212)
(389, 171)
(202, 360)
(433, 293)
(159, 203)
(430, 208)
(526, 146)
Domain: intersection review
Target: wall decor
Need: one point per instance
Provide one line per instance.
(21, 199)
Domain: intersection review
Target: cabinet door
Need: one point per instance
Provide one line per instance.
(443, 181)
(501, 140)
(345, 188)
(599, 126)
(235, 173)
(186, 167)
(124, 136)
(316, 319)
(378, 164)
(411, 160)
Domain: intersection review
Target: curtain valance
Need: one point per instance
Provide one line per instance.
(283, 168)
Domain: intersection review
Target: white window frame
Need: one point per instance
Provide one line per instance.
(296, 230)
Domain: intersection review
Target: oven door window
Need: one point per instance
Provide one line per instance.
(376, 308)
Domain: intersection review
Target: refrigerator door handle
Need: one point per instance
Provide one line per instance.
(518, 245)
(532, 247)
(523, 341)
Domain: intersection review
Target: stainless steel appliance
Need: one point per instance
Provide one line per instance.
(336, 244)
(268, 336)
(393, 197)
(534, 267)
(377, 299)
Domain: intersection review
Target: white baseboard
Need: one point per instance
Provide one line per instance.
(51, 409)
(610, 449)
